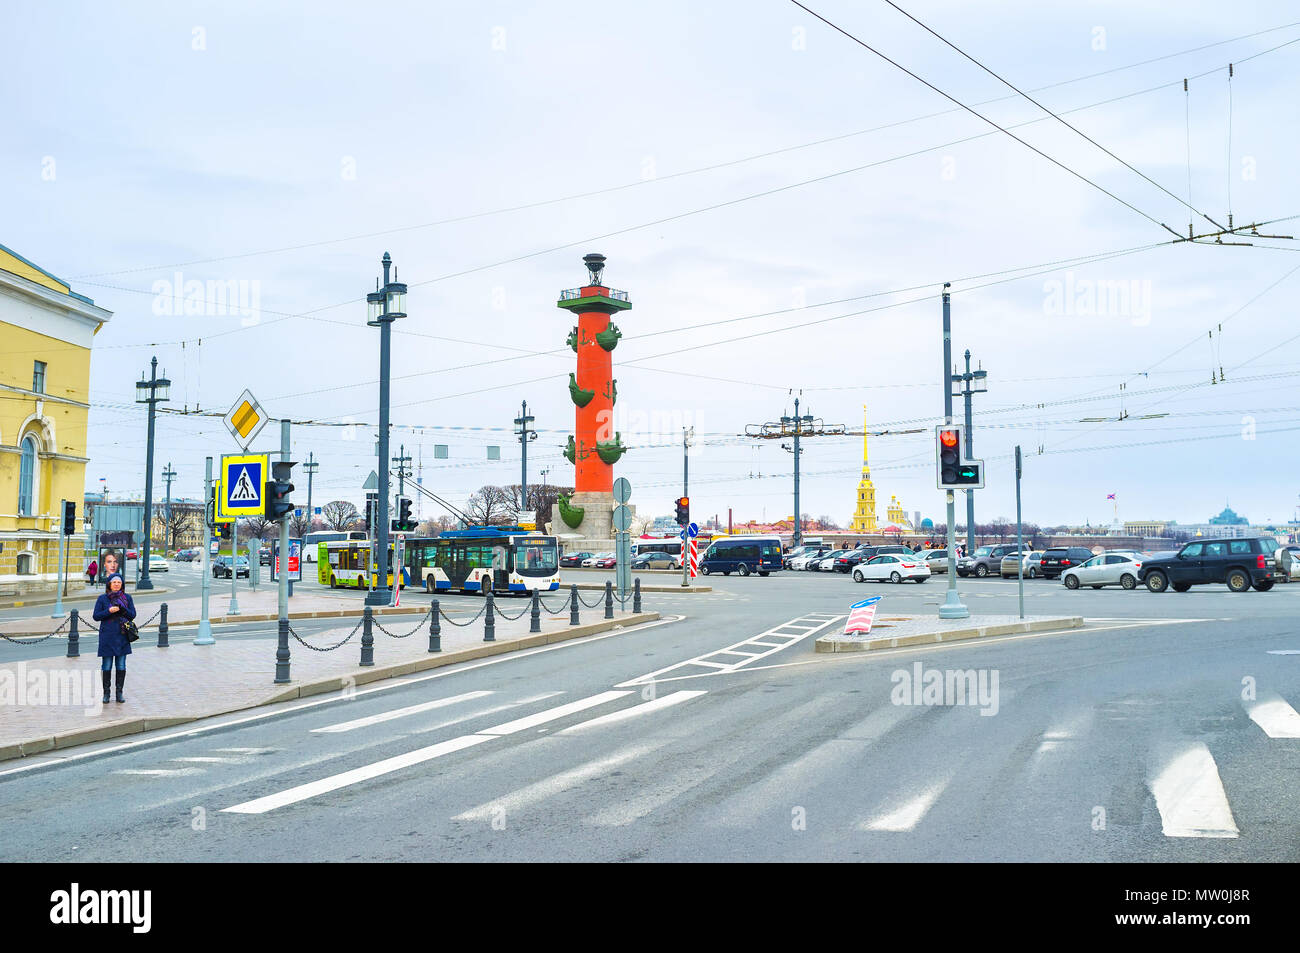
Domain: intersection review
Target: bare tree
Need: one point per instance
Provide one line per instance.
(299, 526)
(490, 505)
(339, 514)
(182, 520)
(541, 498)
(256, 527)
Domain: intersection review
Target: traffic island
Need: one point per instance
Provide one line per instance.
(655, 588)
(897, 632)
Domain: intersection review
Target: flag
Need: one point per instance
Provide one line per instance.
(861, 615)
(1110, 496)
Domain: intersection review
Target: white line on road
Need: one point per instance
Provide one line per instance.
(551, 714)
(159, 772)
(245, 750)
(1190, 796)
(1276, 717)
(210, 760)
(645, 708)
(906, 817)
(399, 713)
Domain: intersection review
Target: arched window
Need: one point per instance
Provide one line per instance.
(26, 475)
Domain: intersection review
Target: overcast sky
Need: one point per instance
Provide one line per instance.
(288, 148)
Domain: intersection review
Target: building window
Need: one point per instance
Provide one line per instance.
(26, 564)
(38, 377)
(26, 475)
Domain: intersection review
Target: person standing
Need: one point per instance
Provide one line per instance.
(91, 572)
(111, 608)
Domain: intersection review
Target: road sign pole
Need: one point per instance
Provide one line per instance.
(58, 578)
(1020, 540)
(282, 642)
(205, 623)
(952, 607)
(234, 565)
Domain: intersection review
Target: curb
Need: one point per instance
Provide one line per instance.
(835, 644)
(588, 586)
(321, 686)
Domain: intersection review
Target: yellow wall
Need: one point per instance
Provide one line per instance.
(16, 266)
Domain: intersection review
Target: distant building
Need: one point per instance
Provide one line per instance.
(1146, 527)
(864, 513)
(1228, 518)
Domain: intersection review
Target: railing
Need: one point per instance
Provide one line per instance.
(571, 293)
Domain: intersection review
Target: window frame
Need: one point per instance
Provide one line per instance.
(40, 371)
(27, 464)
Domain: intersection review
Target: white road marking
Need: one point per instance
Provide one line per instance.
(551, 714)
(644, 708)
(906, 817)
(1190, 796)
(159, 772)
(556, 784)
(1276, 717)
(1284, 651)
(210, 760)
(399, 713)
(246, 750)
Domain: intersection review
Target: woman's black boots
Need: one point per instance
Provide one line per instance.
(108, 679)
(121, 680)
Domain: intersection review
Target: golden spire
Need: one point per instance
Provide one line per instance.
(866, 470)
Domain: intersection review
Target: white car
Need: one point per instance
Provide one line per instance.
(591, 560)
(893, 567)
(158, 564)
(826, 563)
(801, 562)
(1119, 568)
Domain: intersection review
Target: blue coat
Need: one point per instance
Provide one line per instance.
(111, 640)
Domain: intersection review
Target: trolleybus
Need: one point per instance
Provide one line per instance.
(484, 559)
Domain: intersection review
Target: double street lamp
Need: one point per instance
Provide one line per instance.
(153, 391)
(384, 305)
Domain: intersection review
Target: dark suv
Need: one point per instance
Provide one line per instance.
(1241, 563)
(1058, 560)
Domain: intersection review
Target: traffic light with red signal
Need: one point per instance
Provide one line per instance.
(683, 510)
(954, 470)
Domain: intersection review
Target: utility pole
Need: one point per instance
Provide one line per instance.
(798, 426)
(401, 461)
(972, 382)
(688, 435)
(952, 607)
(311, 466)
(153, 391)
(169, 474)
(522, 422)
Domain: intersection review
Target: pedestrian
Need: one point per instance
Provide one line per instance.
(110, 608)
(91, 572)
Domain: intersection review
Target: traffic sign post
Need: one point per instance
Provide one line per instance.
(243, 485)
(245, 419)
(204, 636)
(623, 546)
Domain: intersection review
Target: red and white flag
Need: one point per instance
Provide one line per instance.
(861, 616)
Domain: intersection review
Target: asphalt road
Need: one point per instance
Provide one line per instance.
(1154, 733)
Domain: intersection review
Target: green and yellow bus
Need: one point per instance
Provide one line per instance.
(484, 559)
(347, 564)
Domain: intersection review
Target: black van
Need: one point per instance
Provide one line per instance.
(742, 554)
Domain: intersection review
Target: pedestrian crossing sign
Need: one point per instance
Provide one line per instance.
(243, 479)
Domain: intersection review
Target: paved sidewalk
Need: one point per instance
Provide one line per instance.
(54, 702)
(893, 632)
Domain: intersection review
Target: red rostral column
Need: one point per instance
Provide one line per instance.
(595, 446)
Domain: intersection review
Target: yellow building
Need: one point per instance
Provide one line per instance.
(46, 331)
(897, 517)
(864, 516)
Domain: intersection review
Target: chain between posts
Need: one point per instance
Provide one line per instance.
(63, 625)
(416, 628)
(465, 623)
(600, 600)
(512, 618)
(329, 648)
(563, 605)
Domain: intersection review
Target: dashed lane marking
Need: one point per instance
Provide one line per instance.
(398, 713)
(1276, 717)
(1190, 797)
(667, 701)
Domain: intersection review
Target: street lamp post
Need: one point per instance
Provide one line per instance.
(152, 391)
(972, 382)
(384, 306)
(798, 423)
(953, 607)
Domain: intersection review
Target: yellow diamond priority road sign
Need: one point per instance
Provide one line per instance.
(245, 419)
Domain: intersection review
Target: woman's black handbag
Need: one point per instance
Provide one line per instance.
(129, 630)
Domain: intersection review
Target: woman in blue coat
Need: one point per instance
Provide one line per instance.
(110, 609)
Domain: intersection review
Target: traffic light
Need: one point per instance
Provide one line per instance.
(955, 471)
(223, 531)
(277, 492)
(403, 523)
(69, 517)
(372, 512)
(683, 510)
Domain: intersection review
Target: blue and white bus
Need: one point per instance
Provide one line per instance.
(484, 559)
(310, 542)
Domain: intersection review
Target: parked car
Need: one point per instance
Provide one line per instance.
(1013, 561)
(590, 561)
(1116, 568)
(655, 561)
(221, 567)
(892, 566)
(608, 561)
(742, 554)
(264, 556)
(158, 563)
(936, 560)
(188, 555)
(574, 559)
(827, 562)
(788, 557)
(1060, 558)
(809, 558)
(130, 554)
(1240, 563)
(846, 561)
(985, 560)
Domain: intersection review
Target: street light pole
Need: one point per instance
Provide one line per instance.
(687, 437)
(149, 392)
(311, 466)
(973, 382)
(383, 307)
(952, 607)
(169, 474)
(522, 422)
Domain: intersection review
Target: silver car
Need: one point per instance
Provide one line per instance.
(937, 560)
(1032, 561)
(1119, 568)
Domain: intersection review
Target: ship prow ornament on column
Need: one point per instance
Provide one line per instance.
(595, 446)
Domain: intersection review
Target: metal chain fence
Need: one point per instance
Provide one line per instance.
(16, 641)
(328, 648)
(497, 610)
(564, 606)
(443, 613)
(419, 625)
(600, 601)
(145, 625)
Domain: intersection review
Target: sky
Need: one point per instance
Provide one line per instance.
(782, 205)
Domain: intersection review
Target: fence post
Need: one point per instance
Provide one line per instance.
(162, 627)
(367, 638)
(489, 622)
(535, 617)
(435, 629)
(609, 599)
(573, 604)
(636, 594)
(74, 638)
